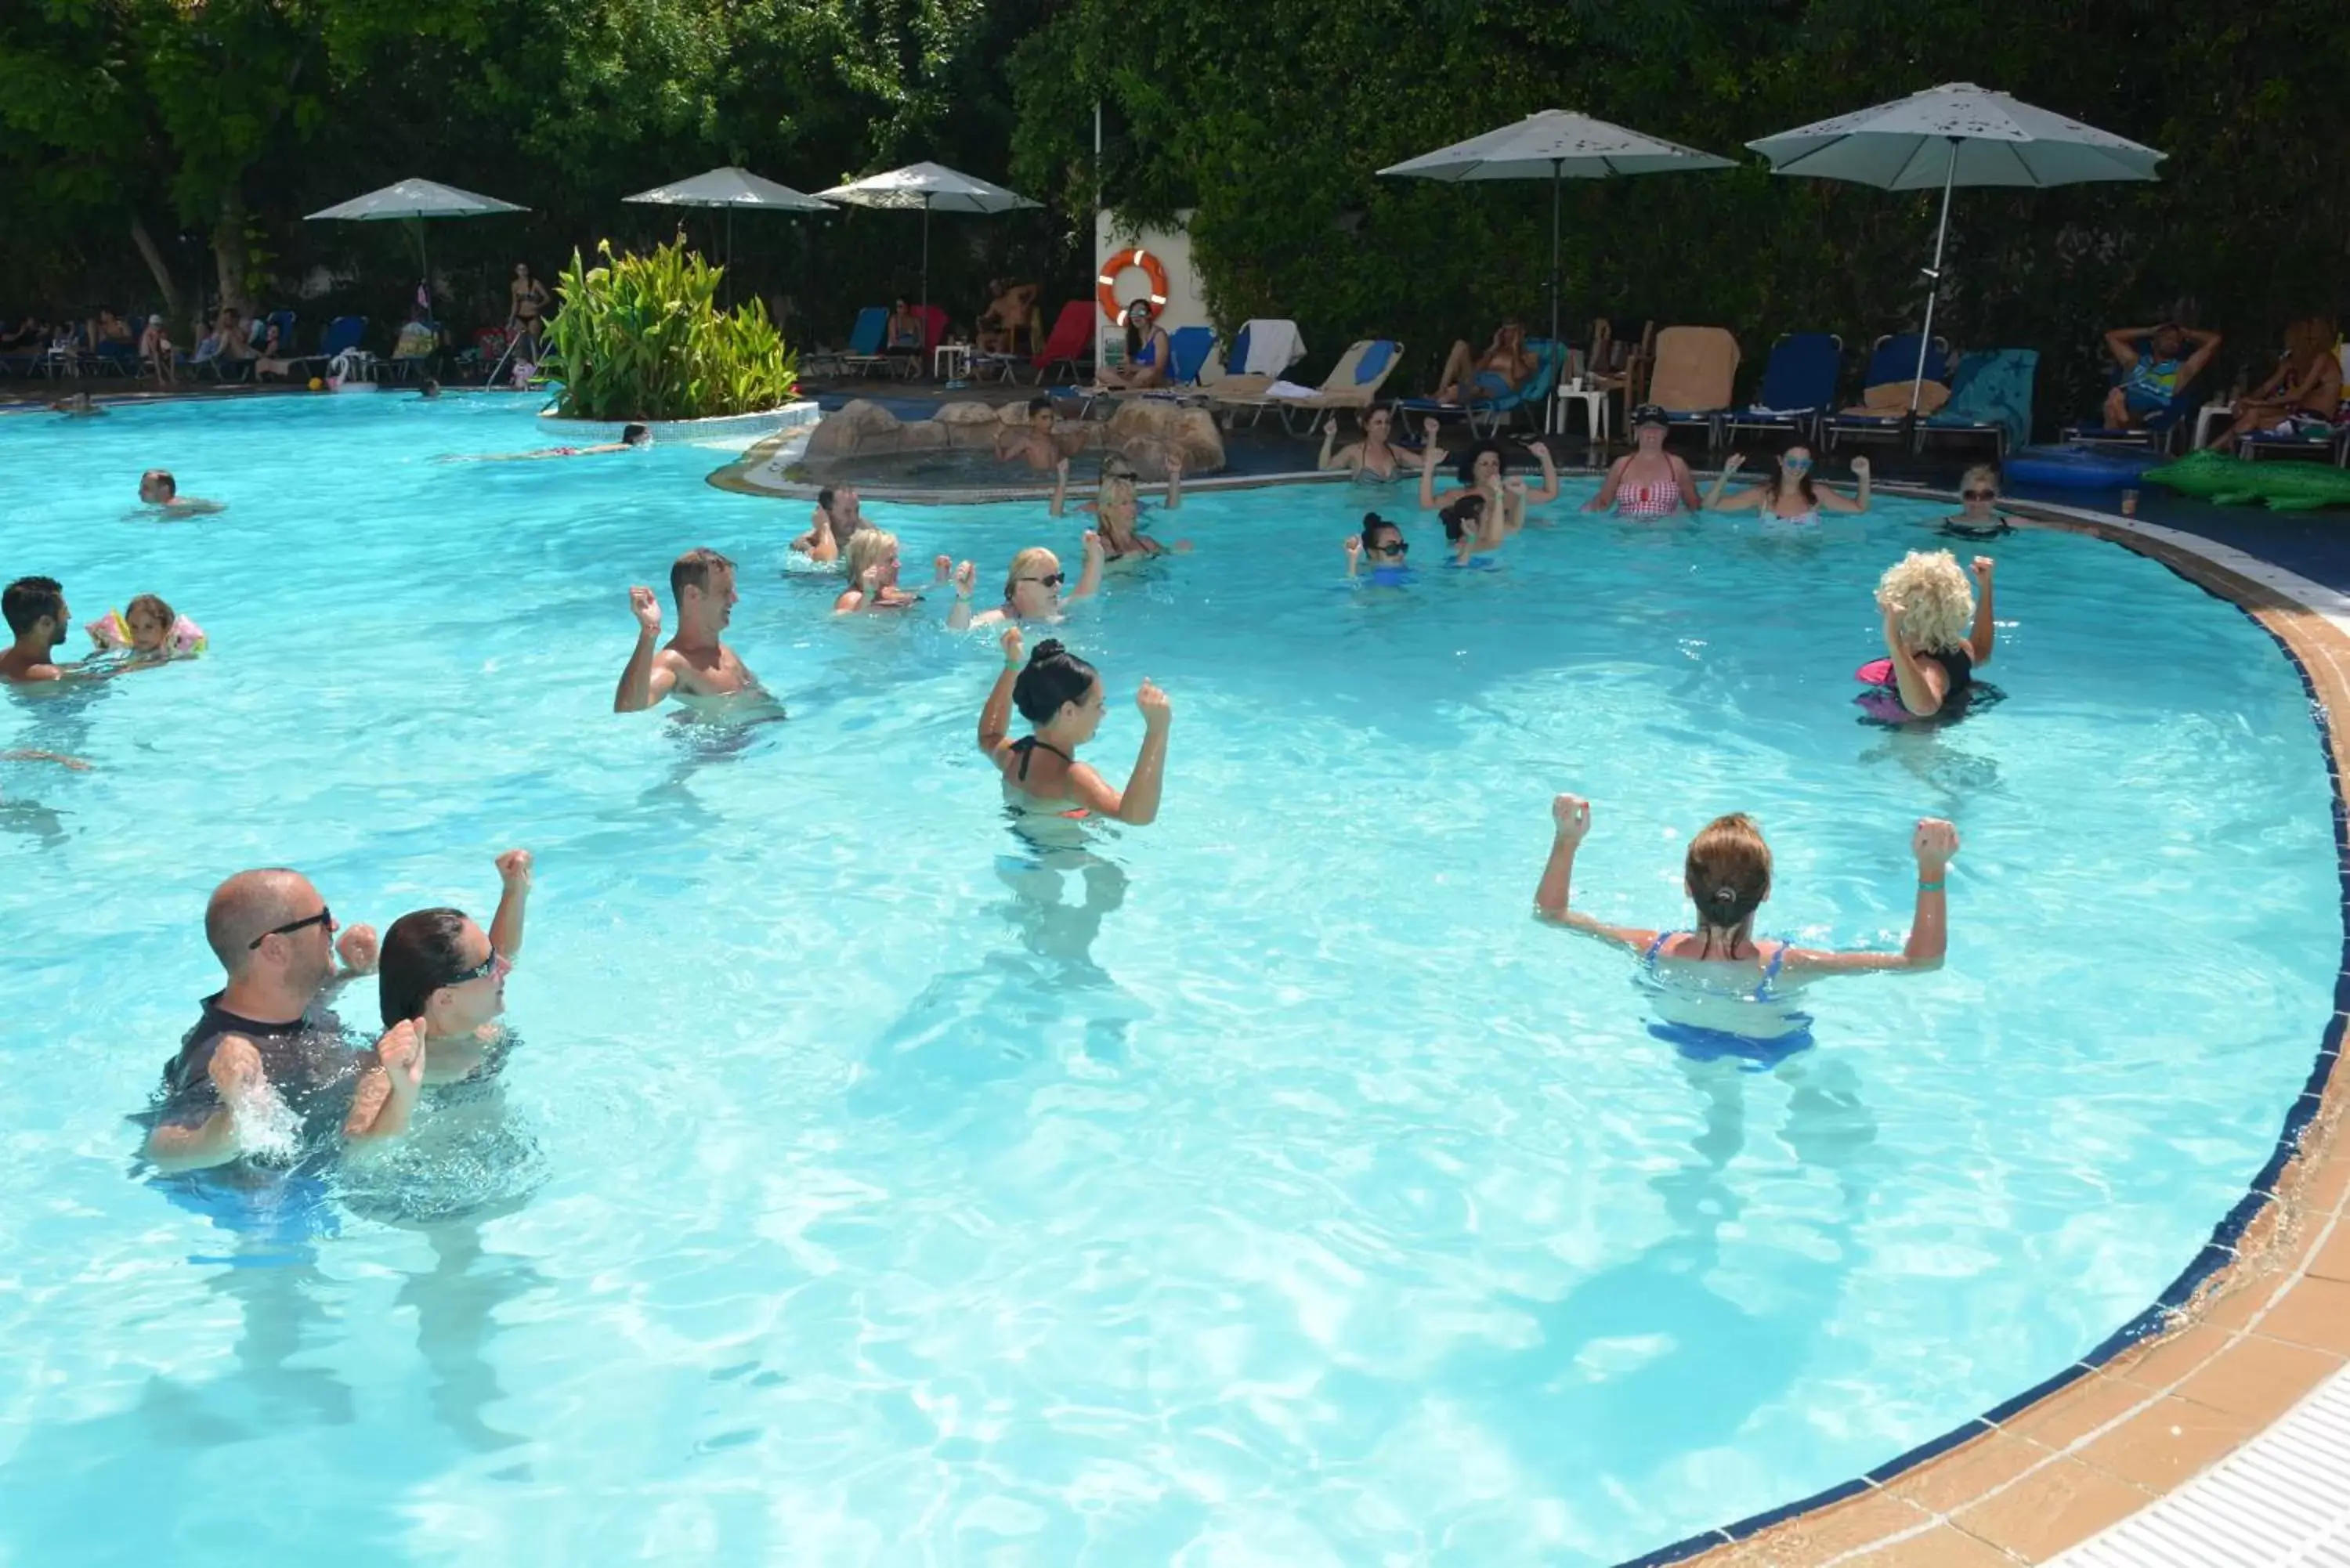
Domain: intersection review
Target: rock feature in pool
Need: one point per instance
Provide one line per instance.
(1144, 432)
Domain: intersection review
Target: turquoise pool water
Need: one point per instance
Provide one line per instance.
(1263, 1187)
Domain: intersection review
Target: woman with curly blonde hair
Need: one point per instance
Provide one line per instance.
(1938, 630)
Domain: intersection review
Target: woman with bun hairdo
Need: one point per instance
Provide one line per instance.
(1061, 695)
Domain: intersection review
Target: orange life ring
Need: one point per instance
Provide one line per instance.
(1105, 293)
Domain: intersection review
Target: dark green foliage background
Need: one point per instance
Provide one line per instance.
(211, 125)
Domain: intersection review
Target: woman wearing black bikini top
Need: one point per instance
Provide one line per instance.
(1061, 695)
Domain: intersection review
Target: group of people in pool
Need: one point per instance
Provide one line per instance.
(143, 635)
(266, 1069)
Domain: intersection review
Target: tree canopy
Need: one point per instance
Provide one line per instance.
(165, 150)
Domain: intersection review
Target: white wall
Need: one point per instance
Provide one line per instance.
(1173, 248)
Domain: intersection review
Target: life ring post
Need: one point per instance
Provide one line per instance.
(1105, 284)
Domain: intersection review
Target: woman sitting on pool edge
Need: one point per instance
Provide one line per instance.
(1978, 517)
(1936, 634)
(1032, 588)
(1648, 481)
(1790, 485)
(1061, 695)
(1147, 351)
(1479, 469)
(1727, 874)
(1373, 457)
(1116, 507)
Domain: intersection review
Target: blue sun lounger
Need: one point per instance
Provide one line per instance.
(1487, 415)
(1799, 385)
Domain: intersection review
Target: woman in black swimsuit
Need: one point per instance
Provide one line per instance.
(1930, 642)
(1061, 695)
(529, 298)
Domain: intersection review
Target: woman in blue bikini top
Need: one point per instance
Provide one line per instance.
(1728, 875)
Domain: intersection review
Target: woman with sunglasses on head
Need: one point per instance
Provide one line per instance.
(1382, 547)
(1374, 457)
(1032, 589)
(1061, 695)
(445, 976)
(1978, 517)
(1789, 496)
(1116, 506)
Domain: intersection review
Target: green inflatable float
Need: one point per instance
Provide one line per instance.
(2234, 481)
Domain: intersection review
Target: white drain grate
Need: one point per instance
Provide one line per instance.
(2282, 1501)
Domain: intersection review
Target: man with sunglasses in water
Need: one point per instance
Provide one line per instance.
(268, 1068)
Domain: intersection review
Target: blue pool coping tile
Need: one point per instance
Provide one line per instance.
(2218, 1252)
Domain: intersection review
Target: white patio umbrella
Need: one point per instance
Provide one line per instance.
(418, 199)
(1556, 144)
(1955, 134)
(931, 187)
(731, 188)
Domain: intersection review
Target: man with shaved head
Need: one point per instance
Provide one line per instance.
(266, 1067)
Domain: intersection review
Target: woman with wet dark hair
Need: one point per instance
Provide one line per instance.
(440, 968)
(1061, 695)
(1380, 545)
(1479, 470)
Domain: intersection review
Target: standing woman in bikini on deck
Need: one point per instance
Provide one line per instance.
(528, 299)
(1649, 482)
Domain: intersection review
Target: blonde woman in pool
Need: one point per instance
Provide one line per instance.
(1937, 632)
(1116, 506)
(873, 574)
(1032, 589)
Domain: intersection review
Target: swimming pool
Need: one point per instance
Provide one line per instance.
(1260, 1187)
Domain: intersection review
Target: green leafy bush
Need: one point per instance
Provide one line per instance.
(642, 338)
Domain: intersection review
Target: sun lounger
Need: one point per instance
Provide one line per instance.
(1695, 370)
(1884, 406)
(1799, 383)
(1187, 350)
(342, 335)
(1991, 395)
(1487, 415)
(1353, 382)
(864, 352)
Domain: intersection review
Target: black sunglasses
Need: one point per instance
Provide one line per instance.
(1050, 580)
(1398, 549)
(325, 916)
(482, 970)
(1979, 494)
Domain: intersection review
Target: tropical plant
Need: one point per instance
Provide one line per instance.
(642, 338)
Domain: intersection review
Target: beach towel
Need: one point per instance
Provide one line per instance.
(1992, 387)
(1274, 346)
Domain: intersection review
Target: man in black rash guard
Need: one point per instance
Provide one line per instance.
(268, 1040)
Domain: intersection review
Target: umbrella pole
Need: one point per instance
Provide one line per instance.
(1557, 173)
(1934, 279)
(926, 259)
(730, 253)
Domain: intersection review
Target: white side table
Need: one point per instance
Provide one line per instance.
(1595, 409)
(2209, 415)
(950, 362)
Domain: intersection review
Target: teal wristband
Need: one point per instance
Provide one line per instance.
(1929, 887)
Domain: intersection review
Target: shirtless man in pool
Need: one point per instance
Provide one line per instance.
(698, 667)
